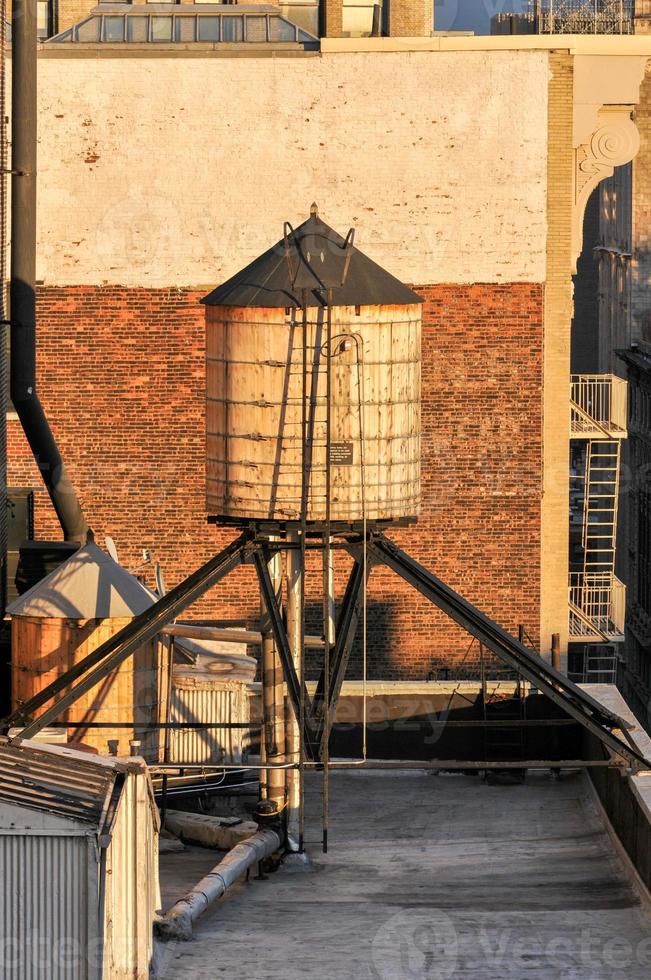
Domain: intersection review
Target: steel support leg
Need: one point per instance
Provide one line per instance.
(588, 712)
(261, 560)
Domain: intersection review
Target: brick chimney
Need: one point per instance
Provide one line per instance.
(401, 18)
(331, 18)
(409, 18)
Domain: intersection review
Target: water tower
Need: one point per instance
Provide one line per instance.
(313, 418)
(313, 387)
(313, 429)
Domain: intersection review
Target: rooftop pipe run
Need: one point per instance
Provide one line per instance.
(177, 923)
(22, 294)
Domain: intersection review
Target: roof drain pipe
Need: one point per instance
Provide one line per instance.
(178, 922)
(23, 275)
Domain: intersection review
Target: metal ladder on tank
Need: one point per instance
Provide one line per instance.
(301, 367)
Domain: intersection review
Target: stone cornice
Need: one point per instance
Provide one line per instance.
(606, 91)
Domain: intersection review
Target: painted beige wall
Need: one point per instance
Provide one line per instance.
(179, 170)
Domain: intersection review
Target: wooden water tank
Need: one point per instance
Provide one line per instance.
(65, 617)
(257, 386)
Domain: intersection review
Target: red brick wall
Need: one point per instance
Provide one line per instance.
(122, 379)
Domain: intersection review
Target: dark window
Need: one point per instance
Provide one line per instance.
(113, 29)
(208, 28)
(232, 29)
(644, 550)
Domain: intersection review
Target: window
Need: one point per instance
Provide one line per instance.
(232, 29)
(113, 29)
(282, 30)
(161, 28)
(256, 29)
(184, 29)
(137, 29)
(88, 30)
(208, 28)
(43, 24)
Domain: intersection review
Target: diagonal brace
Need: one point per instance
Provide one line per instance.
(345, 637)
(579, 705)
(144, 627)
(261, 561)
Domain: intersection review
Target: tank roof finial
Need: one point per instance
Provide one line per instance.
(314, 210)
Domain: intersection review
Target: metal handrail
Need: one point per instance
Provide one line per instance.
(600, 599)
(600, 399)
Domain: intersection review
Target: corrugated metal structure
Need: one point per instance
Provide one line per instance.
(201, 696)
(65, 617)
(211, 687)
(78, 865)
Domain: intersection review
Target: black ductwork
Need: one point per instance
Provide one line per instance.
(23, 276)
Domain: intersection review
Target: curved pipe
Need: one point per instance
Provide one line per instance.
(23, 276)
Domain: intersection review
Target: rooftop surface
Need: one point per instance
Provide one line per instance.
(427, 878)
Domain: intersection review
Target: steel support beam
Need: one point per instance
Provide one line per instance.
(144, 627)
(345, 637)
(558, 688)
(260, 558)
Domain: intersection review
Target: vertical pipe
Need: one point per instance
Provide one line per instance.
(168, 719)
(22, 292)
(292, 733)
(305, 484)
(327, 583)
(556, 651)
(273, 699)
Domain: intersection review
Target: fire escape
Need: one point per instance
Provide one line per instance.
(597, 598)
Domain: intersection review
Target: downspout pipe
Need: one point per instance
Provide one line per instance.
(22, 289)
(178, 922)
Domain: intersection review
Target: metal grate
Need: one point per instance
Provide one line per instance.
(584, 16)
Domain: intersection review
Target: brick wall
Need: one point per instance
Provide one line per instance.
(122, 380)
(410, 18)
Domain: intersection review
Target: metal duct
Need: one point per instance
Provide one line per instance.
(23, 276)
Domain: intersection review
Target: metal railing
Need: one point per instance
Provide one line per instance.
(598, 405)
(597, 605)
(584, 16)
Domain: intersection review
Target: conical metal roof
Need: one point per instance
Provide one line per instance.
(89, 585)
(310, 260)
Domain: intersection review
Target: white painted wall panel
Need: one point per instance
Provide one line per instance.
(178, 171)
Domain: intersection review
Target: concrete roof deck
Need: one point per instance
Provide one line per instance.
(435, 877)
